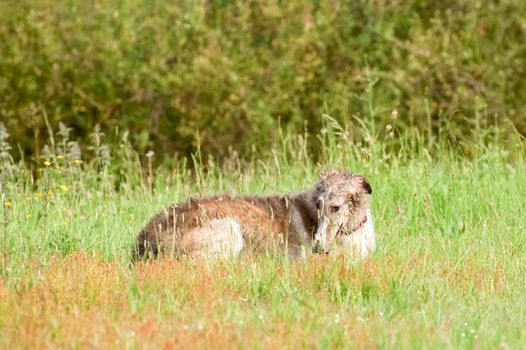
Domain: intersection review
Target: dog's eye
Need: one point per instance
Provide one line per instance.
(317, 205)
(335, 209)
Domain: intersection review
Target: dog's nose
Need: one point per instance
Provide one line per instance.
(316, 248)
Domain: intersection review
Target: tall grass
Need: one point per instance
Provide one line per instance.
(449, 271)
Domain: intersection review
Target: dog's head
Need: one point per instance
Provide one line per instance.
(342, 201)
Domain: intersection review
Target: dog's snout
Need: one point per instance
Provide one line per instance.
(316, 247)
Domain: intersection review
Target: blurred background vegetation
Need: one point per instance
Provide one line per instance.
(226, 75)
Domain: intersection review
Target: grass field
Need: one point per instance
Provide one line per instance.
(449, 271)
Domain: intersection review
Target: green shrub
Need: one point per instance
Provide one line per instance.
(236, 70)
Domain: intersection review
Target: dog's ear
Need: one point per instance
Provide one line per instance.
(361, 184)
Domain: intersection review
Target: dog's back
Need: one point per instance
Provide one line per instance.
(216, 226)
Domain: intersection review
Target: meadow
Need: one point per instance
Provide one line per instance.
(449, 271)
(116, 109)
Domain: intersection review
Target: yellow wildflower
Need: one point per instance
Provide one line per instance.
(78, 161)
(7, 204)
(60, 157)
(47, 163)
(64, 188)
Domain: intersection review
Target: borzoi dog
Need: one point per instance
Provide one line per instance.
(334, 214)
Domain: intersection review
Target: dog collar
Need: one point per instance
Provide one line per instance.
(360, 224)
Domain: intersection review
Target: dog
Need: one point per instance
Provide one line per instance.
(335, 213)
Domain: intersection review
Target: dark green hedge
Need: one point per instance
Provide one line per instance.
(236, 70)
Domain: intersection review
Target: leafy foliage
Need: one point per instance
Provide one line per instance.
(236, 70)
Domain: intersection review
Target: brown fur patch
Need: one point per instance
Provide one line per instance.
(261, 220)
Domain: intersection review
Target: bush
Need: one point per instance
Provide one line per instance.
(235, 70)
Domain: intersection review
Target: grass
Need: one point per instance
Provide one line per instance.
(449, 271)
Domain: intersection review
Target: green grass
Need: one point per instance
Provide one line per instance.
(449, 271)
